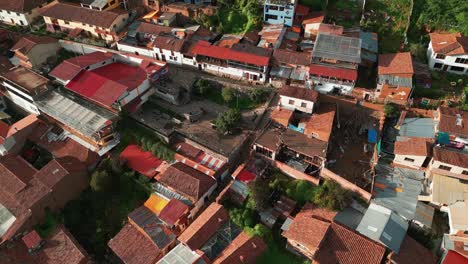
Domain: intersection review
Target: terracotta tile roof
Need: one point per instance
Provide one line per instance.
(453, 157)
(410, 251)
(71, 67)
(9, 131)
(21, 5)
(330, 29)
(173, 212)
(282, 56)
(448, 121)
(399, 93)
(74, 13)
(60, 247)
(57, 169)
(299, 93)
(346, 246)
(15, 173)
(35, 191)
(205, 226)
(320, 124)
(132, 247)
(188, 150)
(449, 43)
(310, 226)
(187, 181)
(153, 29)
(313, 18)
(28, 42)
(32, 239)
(325, 71)
(242, 250)
(27, 79)
(413, 146)
(282, 116)
(396, 63)
(169, 43)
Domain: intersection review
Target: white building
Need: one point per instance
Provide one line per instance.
(412, 152)
(448, 52)
(297, 98)
(21, 13)
(73, 19)
(241, 62)
(279, 12)
(23, 87)
(452, 161)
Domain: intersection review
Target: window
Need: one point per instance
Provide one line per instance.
(465, 172)
(440, 56)
(443, 167)
(291, 102)
(438, 65)
(66, 22)
(304, 105)
(271, 17)
(408, 159)
(455, 68)
(281, 8)
(21, 22)
(461, 60)
(273, 7)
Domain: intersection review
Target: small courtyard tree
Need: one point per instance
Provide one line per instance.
(228, 94)
(227, 121)
(332, 196)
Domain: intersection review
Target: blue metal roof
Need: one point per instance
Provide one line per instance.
(369, 41)
(418, 127)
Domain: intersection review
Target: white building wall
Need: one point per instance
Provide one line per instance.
(449, 61)
(308, 28)
(285, 16)
(284, 101)
(13, 18)
(327, 87)
(8, 144)
(136, 50)
(454, 169)
(25, 104)
(417, 163)
(233, 72)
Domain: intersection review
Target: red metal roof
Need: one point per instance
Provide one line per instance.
(141, 161)
(106, 84)
(245, 176)
(347, 74)
(173, 212)
(71, 67)
(32, 239)
(206, 49)
(454, 258)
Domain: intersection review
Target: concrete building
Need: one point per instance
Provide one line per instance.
(242, 61)
(279, 12)
(74, 20)
(20, 13)
(33, 51)
(413, 152)
(24, 87)
(335, 60)
(100, 5)
(448, 52)
(13, 137)
(297, 98)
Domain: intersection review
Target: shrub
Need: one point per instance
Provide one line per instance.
(101, 181)
(202, 86)
(332, 196)
(227, 121)
(228, 94)
(391, 110)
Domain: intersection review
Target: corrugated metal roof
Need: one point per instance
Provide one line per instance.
(424, 214)
(338, 47)
(181, 254)
(383, 225)
(349, 217)
(398, 189)
(418, 127)
(448, 190)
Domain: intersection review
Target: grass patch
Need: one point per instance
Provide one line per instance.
(442, 86)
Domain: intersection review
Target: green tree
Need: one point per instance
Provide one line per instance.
(261, 193)
(227, 121)
(202, 86)
(301, 191)
(228, 94)
(257, 95)
(391, 110)
(259, 230)
(101, 181)
(332, 196)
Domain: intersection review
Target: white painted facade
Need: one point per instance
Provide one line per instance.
(457, 64)
(310, 29)
(21, 99)
(279, 12)
(17, 18)
(409, 160)
(156, 53)
(323, 85)
(292, 103)
(235, 73)
(435, 164)
(117, 25)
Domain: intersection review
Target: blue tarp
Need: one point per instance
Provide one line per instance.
(295, 128)
(372, 136)
(442, 138)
